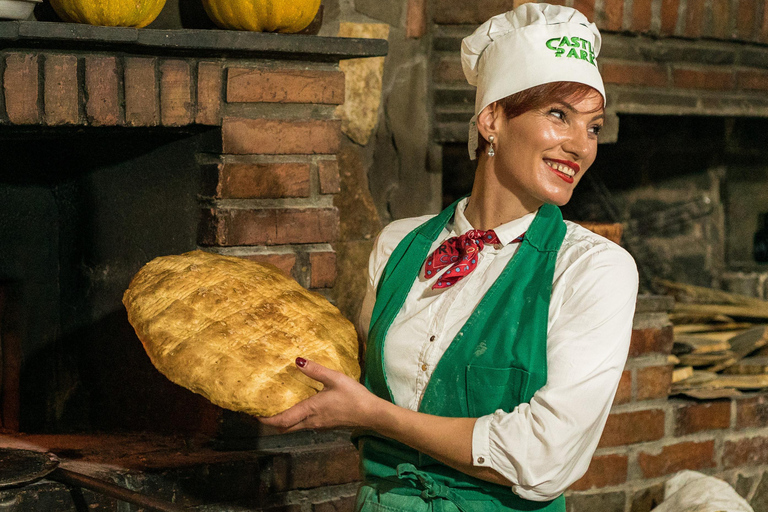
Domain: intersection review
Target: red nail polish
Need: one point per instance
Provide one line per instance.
(301, 362)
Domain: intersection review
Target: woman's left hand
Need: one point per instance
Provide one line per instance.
(343, 402)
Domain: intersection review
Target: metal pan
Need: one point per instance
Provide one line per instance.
(22, 467)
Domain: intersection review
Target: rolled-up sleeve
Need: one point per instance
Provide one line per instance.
(542, 447)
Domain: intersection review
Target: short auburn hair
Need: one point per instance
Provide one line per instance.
(538, 97)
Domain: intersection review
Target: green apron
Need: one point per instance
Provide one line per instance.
(496, 361)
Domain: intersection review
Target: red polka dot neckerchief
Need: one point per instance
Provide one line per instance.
(461, 253)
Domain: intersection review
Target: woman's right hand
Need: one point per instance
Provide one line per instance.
(343, 402)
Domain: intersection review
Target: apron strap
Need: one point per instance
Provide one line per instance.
(431, 490)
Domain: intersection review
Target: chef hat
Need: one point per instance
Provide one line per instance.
(532, 45)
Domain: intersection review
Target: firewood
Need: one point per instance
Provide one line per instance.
(708, 359)
(711, 394)
(698, 378)
(749, 366)
(682, 373)
(679, 318)
(743, 382)
(707, 328)
(685, 344)
(759, 311)
(745, 344)
(703, 295)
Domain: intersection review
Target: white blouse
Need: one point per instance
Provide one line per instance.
(544, 446)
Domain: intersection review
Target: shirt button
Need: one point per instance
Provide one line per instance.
(424, 367)
(480, 460)
(431, 338)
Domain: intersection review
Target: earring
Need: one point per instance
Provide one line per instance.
(491, 152)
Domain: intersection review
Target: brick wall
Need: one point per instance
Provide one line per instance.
(268, 195)
(269, 172)
(710, 71)
(742, 20)
(649, 437)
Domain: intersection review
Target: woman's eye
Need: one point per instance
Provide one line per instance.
(596, 129)
(557, 113)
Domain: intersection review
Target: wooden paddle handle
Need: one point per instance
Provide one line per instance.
(114, 491)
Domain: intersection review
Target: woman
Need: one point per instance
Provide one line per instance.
(498, 332)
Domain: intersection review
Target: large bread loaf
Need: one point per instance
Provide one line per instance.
(230, 329)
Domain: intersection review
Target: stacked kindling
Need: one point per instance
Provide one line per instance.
(721, 342)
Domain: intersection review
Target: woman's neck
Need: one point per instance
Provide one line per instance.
(492, 204)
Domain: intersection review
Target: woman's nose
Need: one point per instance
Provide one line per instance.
(577, 141)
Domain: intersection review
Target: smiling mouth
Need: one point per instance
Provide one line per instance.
(561, 167)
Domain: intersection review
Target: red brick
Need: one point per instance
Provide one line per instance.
(141, 102)
(641, 15)
(448, 69)
(416, 19)
(276, 136)
(654, 75)
(450, 11)
(676, 457)
(694, 18)
(586, 7)
(273, 226)
(647, 341)
(653, 382)
(101, 82)
(284, 86)
(764, 26)
(648, 499)
(751, 451)
(752, 411)
(702, 79)
(752, 80)
(633, 427)
(721, 18)
(21, 88)
(745, 21)
(175, 93)
(285, 262)
(604, 470)
(245, 181)
(60, 91)
(309, 468)
(328, 172)
(614, 14)
(624, 392)
(696, 417)
(668, 16)
(209, 93)
(346, 504)
(323, 265)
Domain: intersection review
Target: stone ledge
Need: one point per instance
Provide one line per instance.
(187, 41)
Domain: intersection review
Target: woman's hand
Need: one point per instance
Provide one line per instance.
(343, 402)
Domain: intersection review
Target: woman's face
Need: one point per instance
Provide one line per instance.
(542, 154)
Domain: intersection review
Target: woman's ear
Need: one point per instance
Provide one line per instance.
(488, 120)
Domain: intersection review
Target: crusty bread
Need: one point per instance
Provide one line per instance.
(230, 329)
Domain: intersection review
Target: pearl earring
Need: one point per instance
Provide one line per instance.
(491, 152)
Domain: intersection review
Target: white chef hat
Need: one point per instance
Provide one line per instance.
(532, 45)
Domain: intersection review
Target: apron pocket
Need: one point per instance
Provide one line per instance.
(490, 389)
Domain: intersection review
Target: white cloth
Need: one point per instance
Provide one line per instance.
(532, 45)
(547, 444)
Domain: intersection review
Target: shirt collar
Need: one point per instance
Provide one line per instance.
(506, 232)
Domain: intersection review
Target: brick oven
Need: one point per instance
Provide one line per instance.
(120, 145)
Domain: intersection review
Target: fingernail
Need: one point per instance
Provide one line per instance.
(301, 362)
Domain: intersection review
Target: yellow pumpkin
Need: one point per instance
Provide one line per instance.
(109, 13)
(288, 16)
